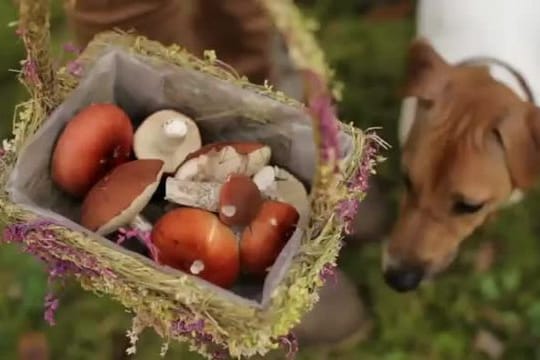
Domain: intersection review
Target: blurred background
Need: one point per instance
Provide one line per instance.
(486, 307)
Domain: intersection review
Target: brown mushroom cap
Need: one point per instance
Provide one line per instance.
(279, 184)
(266, 235)
(119, 197)
(196, 242)
(239, 200)
(94, 141)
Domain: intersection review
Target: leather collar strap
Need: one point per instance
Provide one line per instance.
(492, 61)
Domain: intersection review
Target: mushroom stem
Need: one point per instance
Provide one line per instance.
(202, 195)
(174, 132)
(197, 267)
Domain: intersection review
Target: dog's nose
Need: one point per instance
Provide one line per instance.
(403, 279)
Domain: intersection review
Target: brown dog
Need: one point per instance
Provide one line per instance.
(473, 141)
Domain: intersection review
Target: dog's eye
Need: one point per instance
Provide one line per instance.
(462, 207)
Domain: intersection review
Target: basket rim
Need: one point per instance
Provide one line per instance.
(258, 332)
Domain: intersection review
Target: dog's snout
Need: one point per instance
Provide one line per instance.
(403, 279)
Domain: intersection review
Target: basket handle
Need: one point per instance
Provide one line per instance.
(38, 72)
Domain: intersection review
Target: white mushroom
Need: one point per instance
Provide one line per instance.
(215, 162)
(167, 135)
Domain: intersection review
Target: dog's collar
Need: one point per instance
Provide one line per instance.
(489, 61)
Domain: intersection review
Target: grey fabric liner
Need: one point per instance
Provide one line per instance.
(219, 108)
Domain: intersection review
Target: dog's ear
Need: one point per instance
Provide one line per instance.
(426, 73)
(520, 138)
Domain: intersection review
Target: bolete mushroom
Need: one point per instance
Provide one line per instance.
(167, 135)
(239, 200)
(94, 141)
(197, 242)
(279, 184)
(215, 162)
(265, 237)
(118, 198)
(231, 199)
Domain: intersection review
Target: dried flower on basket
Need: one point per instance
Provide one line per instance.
(347, 208)
(51, 305)
(291, 344)
(320, 104)
(62, 261)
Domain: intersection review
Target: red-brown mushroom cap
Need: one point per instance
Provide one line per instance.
(97, 139)
(196, 242)
(121, 195)
(239, 200)
(265, 237)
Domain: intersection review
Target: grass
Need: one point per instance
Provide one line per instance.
(439, 322)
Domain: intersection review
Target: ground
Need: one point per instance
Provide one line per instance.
(491, 293)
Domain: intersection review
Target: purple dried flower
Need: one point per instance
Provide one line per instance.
(17, 232)
(39, 240)
(195, 330)
(20, 31)
(360, 180)
(315, 84)
(72, 48)
(291, 343)
(182, 327)
(142, 235)
(348, 208)
(29, 69)
(321, 107)
(328, 272)
(51, 305)
(75, 68)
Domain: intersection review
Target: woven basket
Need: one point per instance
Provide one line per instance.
(179, 306)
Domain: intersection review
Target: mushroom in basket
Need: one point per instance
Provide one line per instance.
(197, 242)
(167, 135)
(263, 228)
(266, 235)
(215, 162)
(118, 198)
(96, 140)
